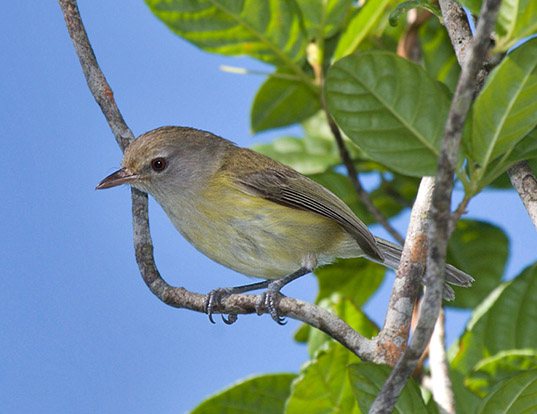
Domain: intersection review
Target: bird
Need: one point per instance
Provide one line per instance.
(250, 213)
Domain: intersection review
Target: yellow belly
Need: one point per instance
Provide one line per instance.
(257, 237)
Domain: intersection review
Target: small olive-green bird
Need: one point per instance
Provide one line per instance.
(250, 213)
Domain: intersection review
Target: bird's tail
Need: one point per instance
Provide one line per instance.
(392, 256)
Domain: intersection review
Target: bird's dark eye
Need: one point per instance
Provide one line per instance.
(159, 164)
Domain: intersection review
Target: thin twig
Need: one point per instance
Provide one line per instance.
(441, 386)
(441, 213)
(459, 211)
(176, 296)
(355, 180)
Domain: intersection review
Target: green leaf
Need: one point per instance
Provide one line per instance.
(310, 155)
(282, 101)
(314, 153)
(466, 401)
(438, 56)
(507, 319)
(265, 394)
(353, 279)
(395, 194)
(322, 386)
(302, 333)
(269, 30)
(405, 6)
(514, 395)
(390, 108)
(361, 25)
(517, 19)
(481, 250)
(470, 348)
(367, 380)
(347, 311)
(525, 150)
(324, 18)
(316, 129)
(490, 371)
(506, 110)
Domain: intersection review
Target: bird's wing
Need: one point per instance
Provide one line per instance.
(285, 186)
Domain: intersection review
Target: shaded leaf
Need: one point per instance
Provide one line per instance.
(317, 127)
(353, 279)
(481, 250)
(438, 56)
(395, 193)
(360, 26)
(324, 18)
(281, 102)
(347, 311)
(367, 380)
(322, 386)
(466, 401)
(268, 30)
(490, 371)
(514, 395)
(506, 109)
(263, 394)
(390, 108)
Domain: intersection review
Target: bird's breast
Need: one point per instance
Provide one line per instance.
(254, 236)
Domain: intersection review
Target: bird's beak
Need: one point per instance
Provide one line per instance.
(119, 177)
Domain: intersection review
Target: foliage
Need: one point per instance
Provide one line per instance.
(336, 55)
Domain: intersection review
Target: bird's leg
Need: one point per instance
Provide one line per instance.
(269, 298)
(215, 296)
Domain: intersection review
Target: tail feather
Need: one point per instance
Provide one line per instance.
(392, 256)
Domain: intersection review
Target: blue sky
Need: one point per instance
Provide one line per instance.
(80, 332)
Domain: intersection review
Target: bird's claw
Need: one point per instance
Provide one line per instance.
(268, 303)
(230, 319)
(213, 301)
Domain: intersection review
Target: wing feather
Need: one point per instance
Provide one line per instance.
(285, 186)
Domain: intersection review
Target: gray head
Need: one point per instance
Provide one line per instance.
(170, 160)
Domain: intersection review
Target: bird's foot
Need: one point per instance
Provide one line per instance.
(269, 301)
(214, 299)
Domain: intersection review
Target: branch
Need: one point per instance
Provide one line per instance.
(521, 176)
(97, 83)
(456, 24)
(441, 212)
(524, 182)
(393, 337)
(355, 180)
(176, 296)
